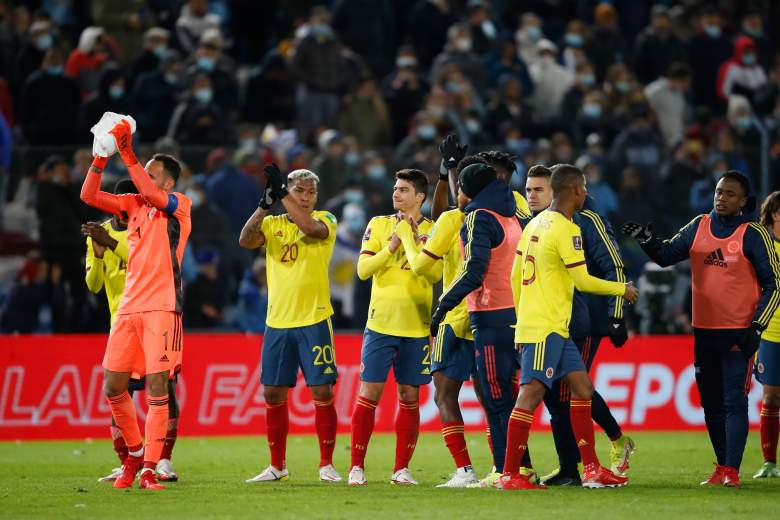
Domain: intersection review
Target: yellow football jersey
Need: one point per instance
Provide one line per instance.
(444, 243)
(523, 210)
(551, 245)
(400, 300)
(772, 332)
(109, 271)
(297, 267)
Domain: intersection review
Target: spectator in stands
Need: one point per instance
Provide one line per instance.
(27, 295)
(270, 92)
(727, 145)
(155, 47)
(354, 192)
(742, 74)
(193, 21)
(484, 31)
(458, 51)
(528, 34)
(640, 146)
(607, 45)
(209, 61)
(620, 88)
(125, 21)
(656, 47)
(50, 101)
(368, 28)
(703, 189)
(601, 197)
(110, 96)
(364, 114)
(377, 184)
(343, 265)
(198, 120)
(575, 44)
(635, 204)
(213, 228)
(506, 62)
(204, 298)
(253, 298)
(404, 90)
(423, 134)
(231, 190)
(752, 26)
(679, 175)
(38, 41)
(584, 82)
(85, 61)
(429, 22)
(472, 132)
(766, 98)
(329, 163)
(706, 51)
(460, 95)
(322, 70)
(667, 97)
(747, 138)
(594, 118)
(551, 82)
(156, 94)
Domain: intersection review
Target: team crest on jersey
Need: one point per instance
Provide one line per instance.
(424, 238)
(577, 243)
(733, 247)
(367, 234)
(760, 368)
(549, 372)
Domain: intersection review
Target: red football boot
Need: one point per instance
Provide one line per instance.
(716, 479)
(596, 476)
(129, 470)
(148, 480)
(516, 482)
(731, 477)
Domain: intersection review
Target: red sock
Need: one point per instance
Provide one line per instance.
(123, 410)
(277, 424)
(362, 427)
(119, 444)
(326, 423)
(455, 440)
(407, 429)
(770, 424)
(517, 439)
(156, 428)
(582, 425)
(170, 439)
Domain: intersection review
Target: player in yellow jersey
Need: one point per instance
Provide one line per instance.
(549, 265)
(299, 245)
(398, 321)
(768, 359)
(106, 267)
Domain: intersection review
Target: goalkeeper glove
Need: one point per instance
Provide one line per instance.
(123, 135)
(276, 181)
(637, 231)
(749, 341)
(267, 199)
(618, 333)
(451, 152)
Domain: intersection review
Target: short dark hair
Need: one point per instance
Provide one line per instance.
(469, 160)
(768, 208)
(734, 175)
(125, 186)
(499, 160)
(679, 70)
(416, 177)
(539, 170)
(171, 166)
(565, 176)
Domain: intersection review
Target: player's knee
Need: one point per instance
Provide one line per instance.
(274, 394)
(771, 397)
(408, 393)
(322, 392)
(112, 388)
(371, 391)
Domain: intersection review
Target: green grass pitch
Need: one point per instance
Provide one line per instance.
(58, 480)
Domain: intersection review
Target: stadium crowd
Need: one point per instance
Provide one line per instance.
(653, 100)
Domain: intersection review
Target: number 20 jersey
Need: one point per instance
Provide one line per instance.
(297, 271)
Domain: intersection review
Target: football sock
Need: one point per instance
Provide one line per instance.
(455, 439)
(582, 425)
(119, 444)
(604, 418)
(770, 424)
(326, 423)
(517, 439)
(277, 424)
(123, 410)
(156, 427)
(407, 429)
(362, 427)
(170, 439)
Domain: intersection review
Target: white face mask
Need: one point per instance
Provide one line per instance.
(463, 44)
(196, 197)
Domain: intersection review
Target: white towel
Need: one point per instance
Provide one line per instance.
(104, 144)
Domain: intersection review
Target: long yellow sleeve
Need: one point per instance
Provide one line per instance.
(369, 264)
(414, 255)
(94, 268)
(584, 282)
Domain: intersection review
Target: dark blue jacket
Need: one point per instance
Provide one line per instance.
(757, 245)
(481, 233)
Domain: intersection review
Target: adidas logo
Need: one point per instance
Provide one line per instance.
(582, 442)
(716, 259)
(426, 372)
(279, 234)
(328, 370)
(164, 359)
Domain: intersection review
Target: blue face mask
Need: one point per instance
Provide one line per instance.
(749, 59)
(160, 51)
(55, 70)
(377, 172)
(454, 87)
(591, 110)
(352, 158)
(426, 132)
(116, 91)
(574, 40)
(473, 126)
(43, 42)
(206, 63)
(624, 87)
(513, 145)
(744, 122)
(533, 32)
(353, 196)
(204, 95)
(355, 225)
(171, 79)
(713, 31)
(586, 79)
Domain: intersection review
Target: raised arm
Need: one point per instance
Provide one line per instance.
(94, 269)
(310, 226)
(664, 252)
(451, 154)
(154, 195)
(251, 234)
(90, 190)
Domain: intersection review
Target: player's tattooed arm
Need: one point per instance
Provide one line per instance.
(251, 236)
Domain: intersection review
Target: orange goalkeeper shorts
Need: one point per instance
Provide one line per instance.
(145, 343)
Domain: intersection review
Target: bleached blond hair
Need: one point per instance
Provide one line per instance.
(303, 175)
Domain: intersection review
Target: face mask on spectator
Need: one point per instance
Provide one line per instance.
(55, 70)
(513, 145)
(533, 32)
(196, 197)
(356, 224)
(353, 196)
(352, 158)
(744, 122)
(712, 30)
(116, 91)
(160, 51)
(203, 95)
(591, 110)
(405, 62)
(463, 44)
(586, 79)
(489, 28)
(206, 63)
(43, 42)
(454, 87)
(249, 143)
(436, 112)
(426, 132)
(574, 40)
(377, 172)
(473, 126)
(321, 30)
(624, 87)
(171, 79)
(749, 59)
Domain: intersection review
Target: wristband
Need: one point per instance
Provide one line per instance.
(98, 164)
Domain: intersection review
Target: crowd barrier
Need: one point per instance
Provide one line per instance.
(50, 388)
